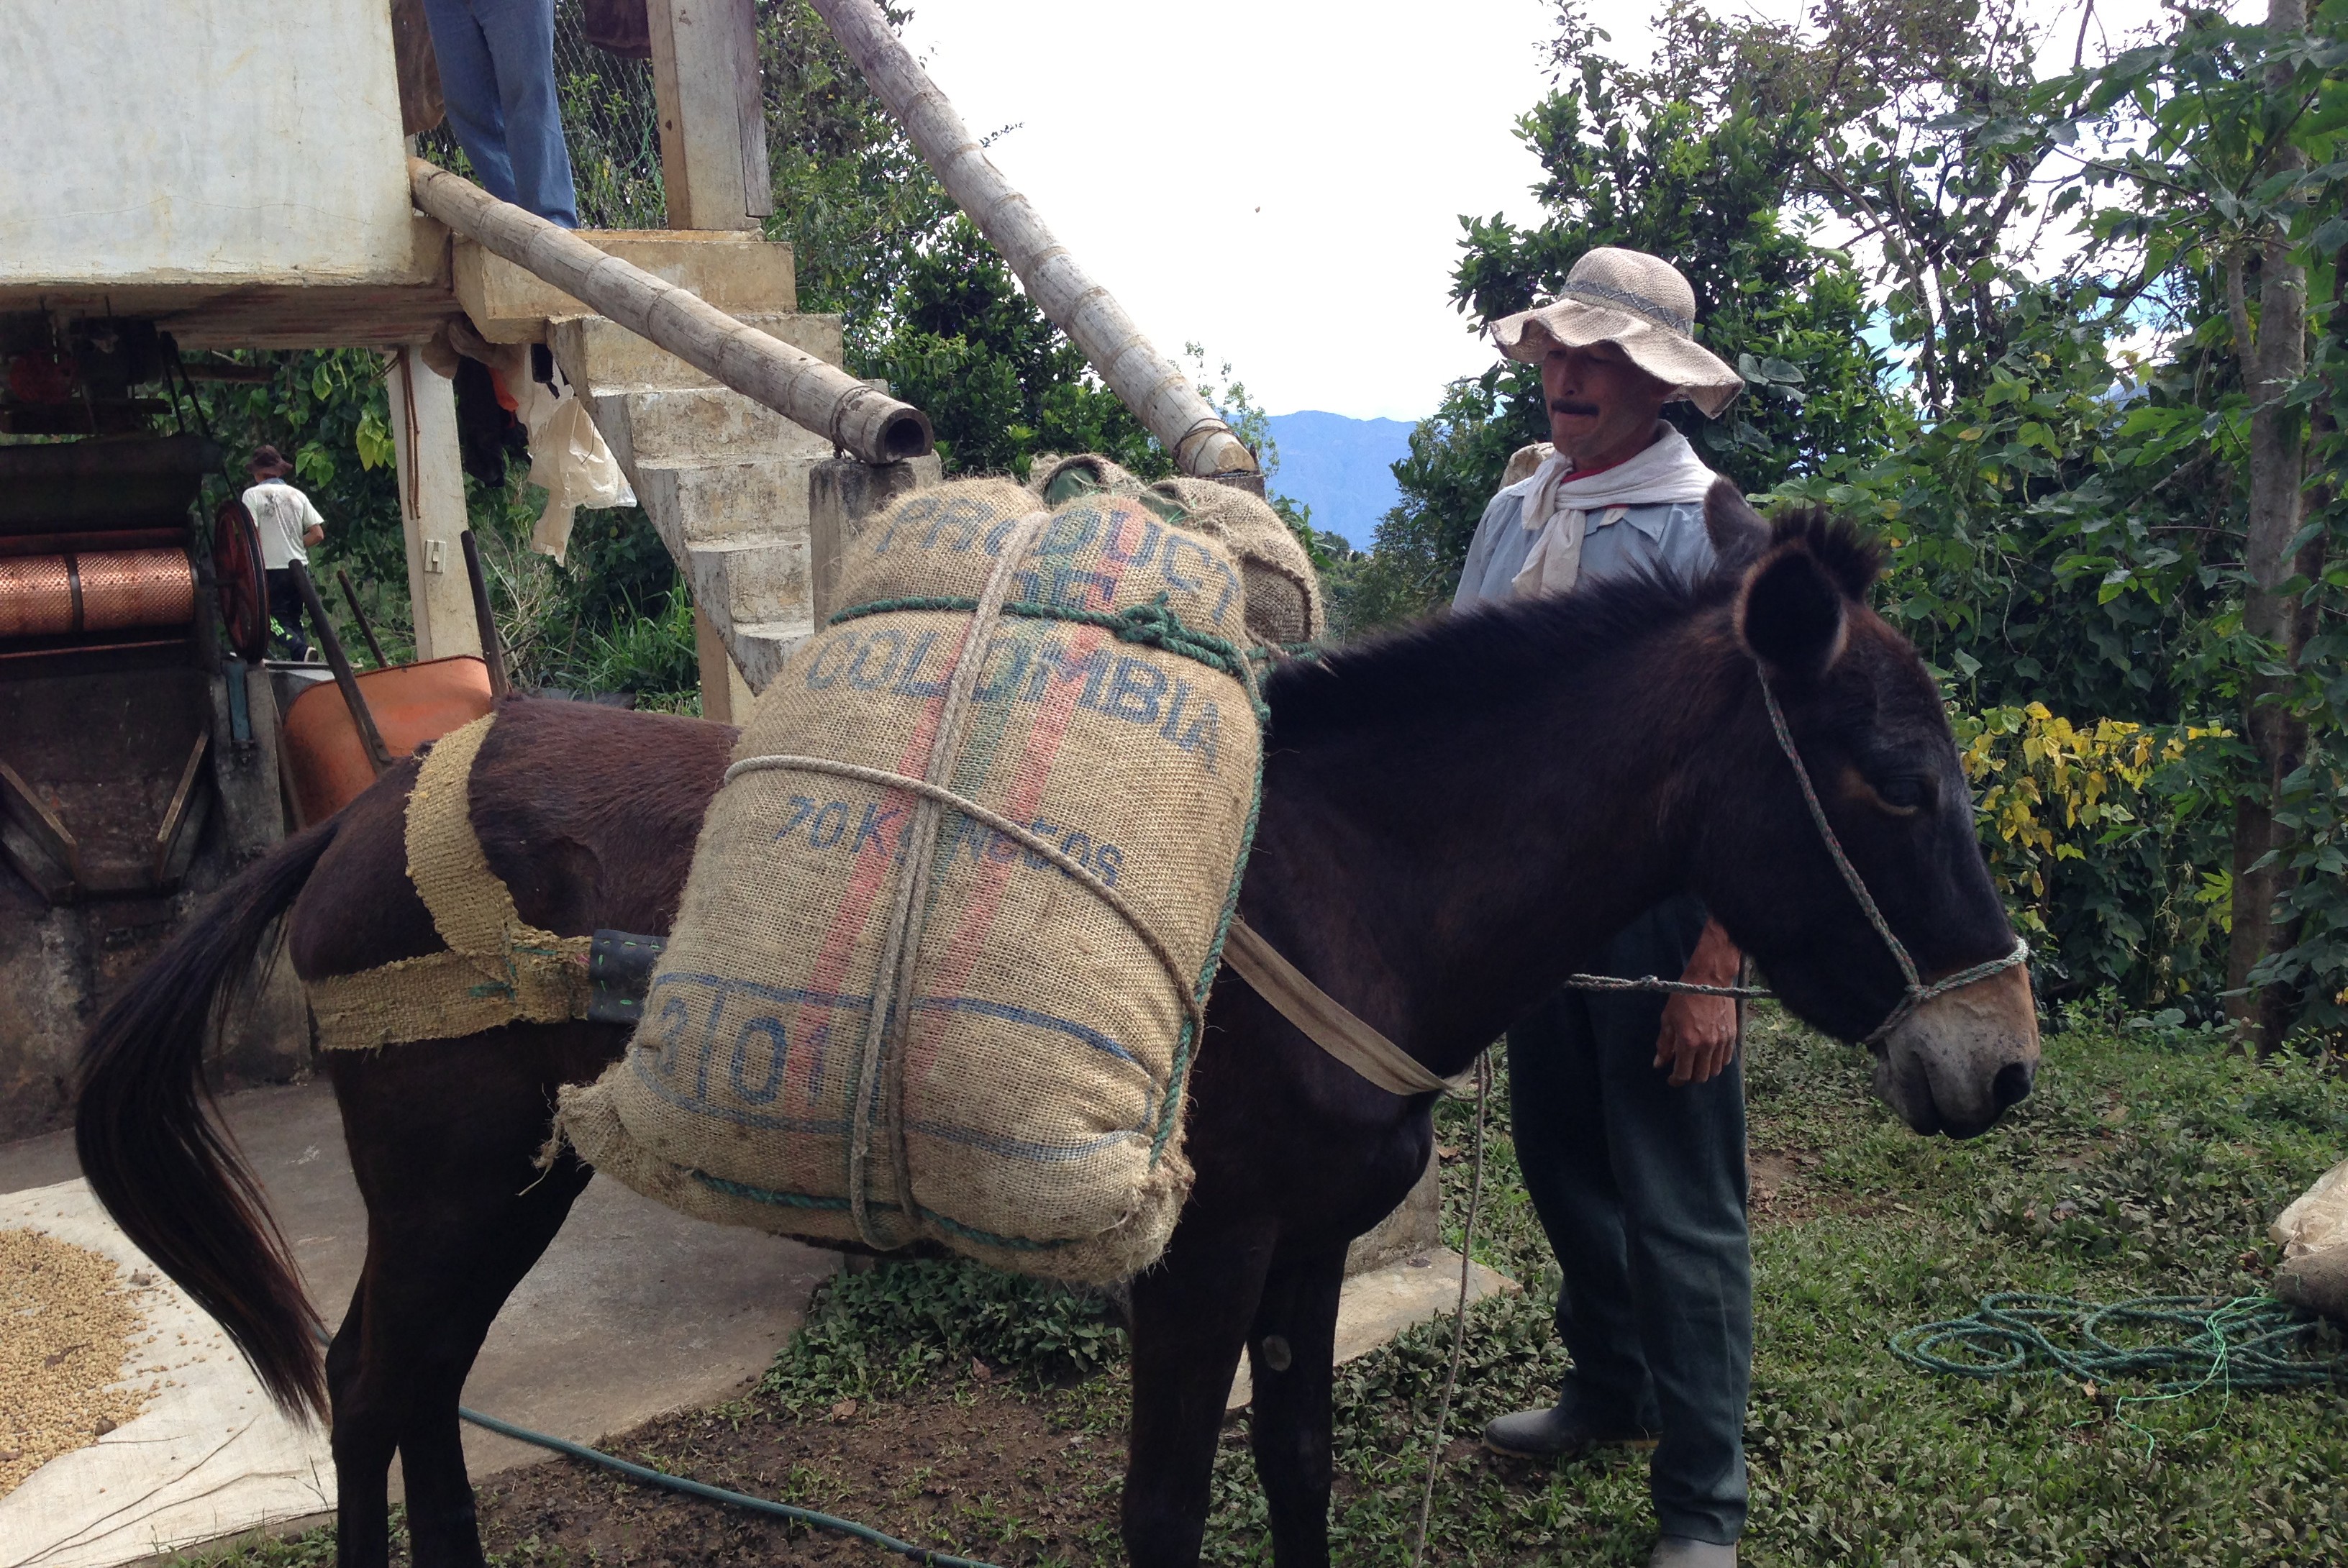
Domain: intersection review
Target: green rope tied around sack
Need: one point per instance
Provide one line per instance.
(2191, 1343)
(1154, 624)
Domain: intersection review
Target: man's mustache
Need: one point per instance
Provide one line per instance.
(1559, 406)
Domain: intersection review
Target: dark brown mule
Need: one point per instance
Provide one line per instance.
(1453, 820)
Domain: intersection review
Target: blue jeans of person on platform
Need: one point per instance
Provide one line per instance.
(1641, 1188)
(496, 77)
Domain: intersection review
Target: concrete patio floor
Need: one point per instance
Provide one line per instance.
(635, 1310)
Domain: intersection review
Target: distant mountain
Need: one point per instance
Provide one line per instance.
(1341, 468)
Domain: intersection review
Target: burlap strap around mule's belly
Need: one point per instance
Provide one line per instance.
(498, 969)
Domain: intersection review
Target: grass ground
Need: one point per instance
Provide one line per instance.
(985, 1416)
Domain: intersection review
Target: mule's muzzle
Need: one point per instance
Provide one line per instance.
(1958, 1062)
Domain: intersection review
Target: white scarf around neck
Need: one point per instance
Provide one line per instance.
(1558, 505)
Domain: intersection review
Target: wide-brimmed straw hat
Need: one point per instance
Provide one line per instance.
(1639, 302)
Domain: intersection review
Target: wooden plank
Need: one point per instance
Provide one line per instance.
(33, 816)
(431, 505)
(176, 815)
(712, 137)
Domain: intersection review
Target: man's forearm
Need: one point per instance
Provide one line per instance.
(1715, 961)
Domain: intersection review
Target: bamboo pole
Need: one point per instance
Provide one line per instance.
(870, 425)
(1168, 406)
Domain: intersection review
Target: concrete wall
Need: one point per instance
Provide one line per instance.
(59, 965)
(158, 141)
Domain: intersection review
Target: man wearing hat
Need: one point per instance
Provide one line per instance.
(288, 525)
(1629, 1107)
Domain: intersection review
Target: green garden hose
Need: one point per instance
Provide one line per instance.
(2253, 1344)
(651, 1476)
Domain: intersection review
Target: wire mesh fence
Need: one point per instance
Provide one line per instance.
(610, 122)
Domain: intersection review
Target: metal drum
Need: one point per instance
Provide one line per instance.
(89, 593)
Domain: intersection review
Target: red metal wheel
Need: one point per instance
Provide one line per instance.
(242, 589)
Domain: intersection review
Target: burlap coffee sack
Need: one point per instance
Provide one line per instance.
(1039, 1086)
(1283, 592)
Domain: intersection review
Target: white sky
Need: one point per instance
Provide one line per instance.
(1282, 181)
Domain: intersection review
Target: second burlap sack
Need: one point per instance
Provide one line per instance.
(1284, 605)
(881, 1018)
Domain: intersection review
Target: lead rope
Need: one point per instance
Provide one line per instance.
(1460, 1315)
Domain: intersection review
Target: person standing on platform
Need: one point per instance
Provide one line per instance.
(497, 79)
(288, 525)
(1628, 1108)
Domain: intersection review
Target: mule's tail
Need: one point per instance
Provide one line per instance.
(168, 1174)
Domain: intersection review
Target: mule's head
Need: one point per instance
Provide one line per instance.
(1866, 717)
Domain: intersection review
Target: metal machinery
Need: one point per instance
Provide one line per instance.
(137, 753)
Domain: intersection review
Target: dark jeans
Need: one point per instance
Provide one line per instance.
(1641, 1188)
(285, 609)
(496, 77)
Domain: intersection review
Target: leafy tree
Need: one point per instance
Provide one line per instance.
(998, 380)
(852, 195)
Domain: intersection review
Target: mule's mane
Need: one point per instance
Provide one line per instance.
(1484, 658)
(1481, 658)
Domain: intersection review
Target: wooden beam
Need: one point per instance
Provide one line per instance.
(177, 815)
(1147, 382)
(868, 424)
(40, 824)
(713, 121)
(431, 505)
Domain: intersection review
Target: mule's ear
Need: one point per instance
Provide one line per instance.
(1739, 535)
(1792, 614)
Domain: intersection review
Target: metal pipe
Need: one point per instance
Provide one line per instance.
(868, 424)
(493, 652)
(352, 596)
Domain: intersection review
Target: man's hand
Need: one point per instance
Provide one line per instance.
(1698, 1039)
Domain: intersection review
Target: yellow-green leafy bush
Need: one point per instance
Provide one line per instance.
(2107, 846)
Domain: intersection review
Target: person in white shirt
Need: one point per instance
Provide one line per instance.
(288, 525)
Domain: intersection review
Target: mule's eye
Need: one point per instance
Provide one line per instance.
(1905, 792)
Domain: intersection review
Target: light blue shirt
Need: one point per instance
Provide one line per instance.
(1669, 537)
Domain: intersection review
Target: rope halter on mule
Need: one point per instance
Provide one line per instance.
(1918, 992)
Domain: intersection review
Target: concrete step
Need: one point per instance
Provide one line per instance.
(760, 577)
(695, 424)
(602, 356)
(736, 272)
(759, 647)
(694, 503)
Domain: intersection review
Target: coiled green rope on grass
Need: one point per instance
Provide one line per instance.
(2253, 1344)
